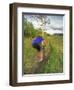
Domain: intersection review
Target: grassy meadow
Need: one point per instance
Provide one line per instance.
(54, 62)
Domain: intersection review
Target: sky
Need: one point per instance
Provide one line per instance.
(54, 23)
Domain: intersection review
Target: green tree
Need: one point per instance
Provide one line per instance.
(29, 30)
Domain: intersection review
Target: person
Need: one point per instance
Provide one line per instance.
(38, 43)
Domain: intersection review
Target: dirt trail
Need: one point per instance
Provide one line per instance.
(38, 67)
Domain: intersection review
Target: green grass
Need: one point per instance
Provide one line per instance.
(55, 58)
(55, 62)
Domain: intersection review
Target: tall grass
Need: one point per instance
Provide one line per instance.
(54, 63)
(55, 59)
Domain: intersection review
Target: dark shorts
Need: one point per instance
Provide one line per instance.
(37, 46)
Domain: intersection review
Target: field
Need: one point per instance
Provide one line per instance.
(54, 62)
(53, 59)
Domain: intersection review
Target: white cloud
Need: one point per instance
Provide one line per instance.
(55, 26)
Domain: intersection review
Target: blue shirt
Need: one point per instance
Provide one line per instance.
(37, 40)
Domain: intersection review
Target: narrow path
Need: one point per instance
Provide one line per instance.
(39, 65)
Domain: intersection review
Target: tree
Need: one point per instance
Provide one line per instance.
(43, 20)
(29, 30)
(28, 26)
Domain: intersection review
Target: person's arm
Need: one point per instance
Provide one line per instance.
(44, 43)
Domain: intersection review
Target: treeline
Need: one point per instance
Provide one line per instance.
(29, 30)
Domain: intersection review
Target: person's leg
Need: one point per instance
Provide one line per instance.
(39, 52)
(40, 56)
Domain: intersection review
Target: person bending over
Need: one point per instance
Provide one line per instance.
(38, 43)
